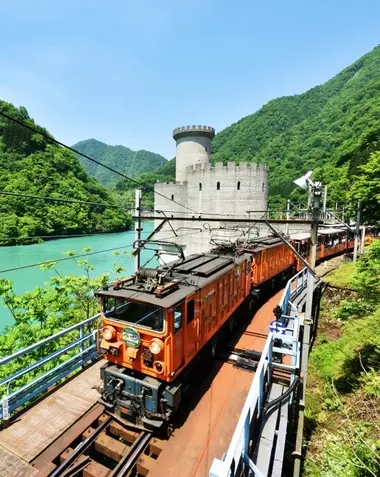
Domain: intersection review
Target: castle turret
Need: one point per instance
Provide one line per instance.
(193, 147)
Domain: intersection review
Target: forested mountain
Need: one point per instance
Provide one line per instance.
(131, 163)
(331, 129)
(32, 165)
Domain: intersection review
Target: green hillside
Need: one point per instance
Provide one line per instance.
(331, 129)
(30, 164)
(131, 163)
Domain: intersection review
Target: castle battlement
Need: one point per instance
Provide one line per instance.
(170, 184)
(195, 130)
(252, 167)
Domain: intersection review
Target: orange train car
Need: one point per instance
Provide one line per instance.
(270, 258)
(156, 321)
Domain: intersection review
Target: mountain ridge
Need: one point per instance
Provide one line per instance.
(122, 158)
(319, 129)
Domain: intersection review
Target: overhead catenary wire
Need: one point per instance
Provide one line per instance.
(95, 161)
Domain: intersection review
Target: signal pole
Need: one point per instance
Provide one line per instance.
(138, 227)
(315, 191)
(357, 232)
(324, 203)
(287, 216)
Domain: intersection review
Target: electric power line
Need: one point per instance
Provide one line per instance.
(27, 237)
(50, 138)
(61, 199)
(23, 267)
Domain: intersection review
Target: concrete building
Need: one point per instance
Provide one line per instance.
(211, 190)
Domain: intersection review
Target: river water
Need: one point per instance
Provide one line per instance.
(28, 278)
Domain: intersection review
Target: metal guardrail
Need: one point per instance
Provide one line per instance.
(237, 456)
(84, 339)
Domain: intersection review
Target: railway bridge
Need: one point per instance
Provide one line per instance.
(243, 414)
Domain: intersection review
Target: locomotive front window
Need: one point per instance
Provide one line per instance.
(142, 315)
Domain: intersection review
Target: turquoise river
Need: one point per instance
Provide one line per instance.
(28, 278)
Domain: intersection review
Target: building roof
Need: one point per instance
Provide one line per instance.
(306, 235)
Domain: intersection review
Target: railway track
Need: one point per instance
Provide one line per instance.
(100, 445)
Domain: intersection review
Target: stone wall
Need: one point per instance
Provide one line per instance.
(231, 189)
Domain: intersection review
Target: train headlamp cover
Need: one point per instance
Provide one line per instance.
(108, 333)
(155, 346)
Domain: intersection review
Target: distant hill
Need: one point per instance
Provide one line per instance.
(34, 166)
(131, 163)
(330, 129)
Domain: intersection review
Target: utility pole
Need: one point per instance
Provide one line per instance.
(315, 194)
(357, 232)
(324, 203)
(138, 227)
(314, 190)
(363, 241)
(287, 216)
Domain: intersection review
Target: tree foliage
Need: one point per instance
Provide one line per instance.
(343, 396)
(331, 129)
(32, 165)
(43, 311)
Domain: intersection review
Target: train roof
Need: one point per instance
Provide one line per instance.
(306, 235)
(193, 273)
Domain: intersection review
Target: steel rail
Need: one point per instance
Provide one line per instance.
(80, 449)
(128, 462)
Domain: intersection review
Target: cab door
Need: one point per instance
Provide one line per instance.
(178, 335)
(191, 328)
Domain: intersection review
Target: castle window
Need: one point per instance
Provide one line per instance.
(172, 197)
(238, 185)
(263, 185)
(200, 186)
(218, 186)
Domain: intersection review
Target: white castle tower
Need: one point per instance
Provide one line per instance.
(208, 189)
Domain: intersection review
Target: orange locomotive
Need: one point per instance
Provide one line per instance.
(156, 321)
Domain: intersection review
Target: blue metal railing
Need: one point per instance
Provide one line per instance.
(237, 455)
(63, 360)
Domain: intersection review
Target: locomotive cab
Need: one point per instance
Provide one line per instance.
(142, 338)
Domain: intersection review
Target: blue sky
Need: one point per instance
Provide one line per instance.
(128, 72)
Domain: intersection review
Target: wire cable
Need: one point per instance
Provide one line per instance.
(61, 199)
(23, 267)
(50, 138)
(2, 239)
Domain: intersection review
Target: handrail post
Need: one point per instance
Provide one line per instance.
(81, 336)
(270, 358)
(5, 411)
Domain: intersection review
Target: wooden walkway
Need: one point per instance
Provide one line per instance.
(43, 423)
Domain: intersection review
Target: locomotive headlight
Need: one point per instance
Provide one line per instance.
(109, 333)
(155, 346)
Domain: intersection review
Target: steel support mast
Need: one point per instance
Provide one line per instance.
(138, 228)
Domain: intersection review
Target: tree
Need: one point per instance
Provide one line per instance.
(366, 188)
